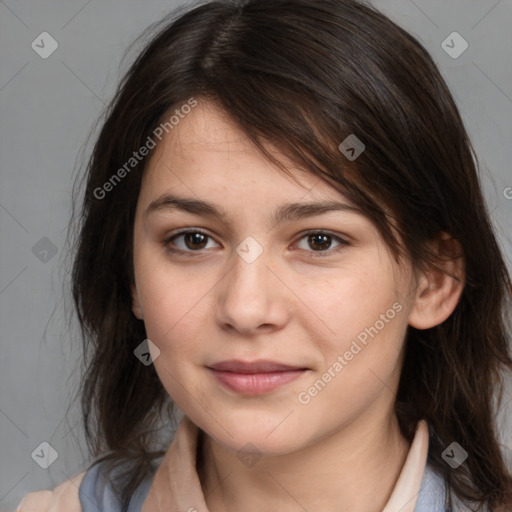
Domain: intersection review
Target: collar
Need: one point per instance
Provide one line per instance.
(176, 486)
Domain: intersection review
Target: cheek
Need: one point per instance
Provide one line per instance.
(365, 319)
(360, 365)
(172, 321)
(354, 304)
(177, 311)
(174, 318)
(167, 293)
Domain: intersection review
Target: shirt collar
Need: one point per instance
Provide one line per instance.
(176, 486)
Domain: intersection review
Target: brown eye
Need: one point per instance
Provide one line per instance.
(320, 242)
(190, 241)
(195, 240)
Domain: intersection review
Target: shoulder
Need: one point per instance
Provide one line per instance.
(432, 495)
(89, 491)
(64, 498)
(97, 491)
(435, 494)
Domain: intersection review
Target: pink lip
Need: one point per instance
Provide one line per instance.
(254, 378)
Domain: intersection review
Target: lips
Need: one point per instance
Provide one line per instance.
(256, 377)
(237, 366)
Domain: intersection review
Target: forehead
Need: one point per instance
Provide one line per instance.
(205, 137)
(207, 153)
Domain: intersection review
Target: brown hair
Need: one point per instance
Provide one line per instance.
(302, 75)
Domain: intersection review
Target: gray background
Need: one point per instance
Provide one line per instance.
(48, 107)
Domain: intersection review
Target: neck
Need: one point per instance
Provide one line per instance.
(354, 469)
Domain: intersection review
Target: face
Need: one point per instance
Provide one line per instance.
(315, 291)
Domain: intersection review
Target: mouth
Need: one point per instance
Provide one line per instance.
(254, 378)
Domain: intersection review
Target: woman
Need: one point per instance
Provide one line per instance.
(278, 236)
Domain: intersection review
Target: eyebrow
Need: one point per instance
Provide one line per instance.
(286, 212)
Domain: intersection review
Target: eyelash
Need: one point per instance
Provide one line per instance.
(315, 254)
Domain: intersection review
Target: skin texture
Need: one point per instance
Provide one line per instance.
(344, 447)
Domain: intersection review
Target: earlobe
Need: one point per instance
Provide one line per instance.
(136, 306)
(440, 287)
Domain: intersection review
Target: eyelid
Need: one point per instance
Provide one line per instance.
(343, 242)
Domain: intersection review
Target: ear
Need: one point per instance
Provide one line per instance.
(440, 286)
(136, 306)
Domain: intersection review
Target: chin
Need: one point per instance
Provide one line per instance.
(246, 436)
(258, 445)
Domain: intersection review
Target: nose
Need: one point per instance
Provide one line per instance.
(252, 297)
